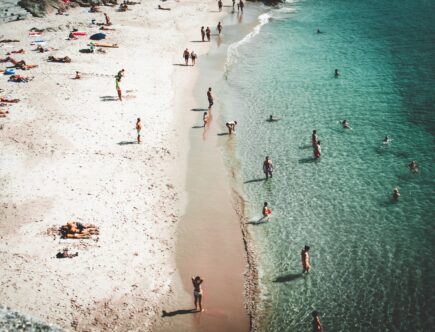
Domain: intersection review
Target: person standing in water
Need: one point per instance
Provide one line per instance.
(186, 55)
(336, 73)
(205, 118)
(317, 326)
(197, 292)
(208, 33)
(138, 129)
(317, 151)
(202, 34)
(220, 5)
(241, 4)
(305, 259)
(210, 99)
(266, 210)
(231, 125)
(219, 27)
(193, 56)
(314, 138)
(345, 124)
(386, 140)
(267, 167)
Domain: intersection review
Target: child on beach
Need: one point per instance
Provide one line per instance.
(197, 292)
(266, 210)
(138, 129)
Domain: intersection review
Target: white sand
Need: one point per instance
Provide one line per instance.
(61, 160)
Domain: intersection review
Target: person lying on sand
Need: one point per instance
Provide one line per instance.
(23, 65)
(71, 36)
(36, 30)
(162, 8)
(9, 100)
(65, 254)
(107, 29)
(22, 51)
(65, 59)
(20, 79)
(3, 114)
(231, 125)
(77, 230)
(41, 49)
(9, 41)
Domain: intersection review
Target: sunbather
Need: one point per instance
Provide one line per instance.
(9, 100)
(77, 230)
(20, 79)
(22, 51)
(64, 59)
(3, 114)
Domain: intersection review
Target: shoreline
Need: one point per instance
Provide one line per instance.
(214, 70)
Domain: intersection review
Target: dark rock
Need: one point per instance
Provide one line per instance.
(40, 8)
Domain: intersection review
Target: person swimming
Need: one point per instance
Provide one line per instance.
(413, 166)
(273, 119)
(345, 124)
(386, 140)
(396, 194)
(336, 73)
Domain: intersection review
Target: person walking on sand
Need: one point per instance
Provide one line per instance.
(267, 167)
(231, 125)
(234, 3)
(205, 118)
(120, 74)
(208, 33)
(317, 151)
(317, 326)
(197, 292)
(219, 27)
(305, 259)
(241, 4)
(220, 5)
(138, 129)
(202, 34)
(186, 55)
(266, 210)
(193, 56)
(118, 87)
(210, 99)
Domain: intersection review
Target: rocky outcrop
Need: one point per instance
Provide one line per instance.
(39, 8)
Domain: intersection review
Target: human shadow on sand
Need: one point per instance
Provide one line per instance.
(288, 277)
(198, 41)
(126, 142)
(197, 127)
(223, 134)
(109, 98)
(258, 222)
(180, 64)
(178, 312)
(199, 110)
(255, 180)
(303, 147)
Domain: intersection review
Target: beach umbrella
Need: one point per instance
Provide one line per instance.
(98, 36)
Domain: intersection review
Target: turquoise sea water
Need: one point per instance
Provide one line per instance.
(372, 259)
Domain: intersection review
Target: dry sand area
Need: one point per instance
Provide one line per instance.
(68, 152)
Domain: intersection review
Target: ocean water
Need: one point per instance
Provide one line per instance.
(372, 259)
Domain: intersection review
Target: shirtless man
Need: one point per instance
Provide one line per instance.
(305, 259)
(396, 194)
(210, 99)
(138, 129)
(231, 125)
(208, 33)
(219, 27)
(220, 5)
(202, 34)
(267, 167)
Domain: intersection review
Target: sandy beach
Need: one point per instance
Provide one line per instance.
(69, 152)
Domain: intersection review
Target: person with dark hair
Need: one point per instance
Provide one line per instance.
(317, 326)
(208, 33)
(336, 73)
(138, 129)
(202, 34)
(197, 292)
(219, 27)
(305, 259)
(267, 167)
(210, 98)
(186, 56)
(231, 125)
(314, 138)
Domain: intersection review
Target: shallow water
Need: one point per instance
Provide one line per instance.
(372, 259)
